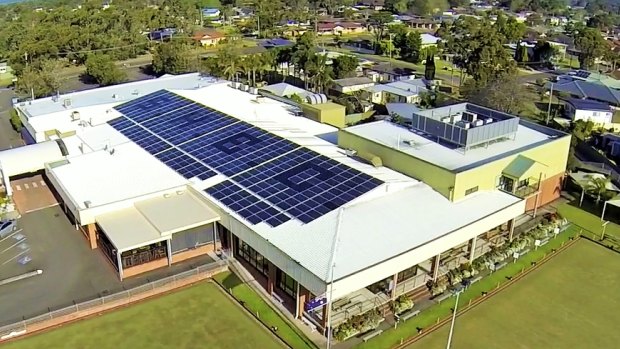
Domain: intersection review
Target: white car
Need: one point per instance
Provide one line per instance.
(7, 227)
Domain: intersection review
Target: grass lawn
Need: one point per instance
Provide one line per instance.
(201, 316)
(570, 302)
(255, 304)
(587, 220)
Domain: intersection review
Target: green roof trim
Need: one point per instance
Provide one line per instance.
(518, 167)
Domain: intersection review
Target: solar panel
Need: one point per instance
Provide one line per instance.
(237, 148)
(152, 105)
(188, 123)
(306, 184)
(121, 123)
(247, 205)
(145, 139)
(184, 164)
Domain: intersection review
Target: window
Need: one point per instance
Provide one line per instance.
(506, 184)
(286, 283)
(254, 258)
(523, 183)
(471, 190)
(407, 274)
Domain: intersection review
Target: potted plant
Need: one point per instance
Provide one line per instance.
(402, 304)
(438, 288)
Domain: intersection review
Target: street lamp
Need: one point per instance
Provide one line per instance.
(458, 292)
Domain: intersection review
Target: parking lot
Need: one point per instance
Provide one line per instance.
(31, 194)
(72, 272)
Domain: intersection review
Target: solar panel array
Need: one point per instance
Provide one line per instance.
(271, 179)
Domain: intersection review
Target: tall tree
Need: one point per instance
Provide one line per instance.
(379, 21)
(173, 57)
(344, 66)
(429, 68)
(543, 51)
(428, 7)
(103, 70)
(504, 94)
(409, 46)
(591, 45)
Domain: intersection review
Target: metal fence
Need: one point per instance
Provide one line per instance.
(23, 326)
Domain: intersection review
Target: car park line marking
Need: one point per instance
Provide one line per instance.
(19, 254)
(42, 183)
(34, 184)
(26, 186)
(10, 247)
(42, 208)
(13, 233)
(17, 187)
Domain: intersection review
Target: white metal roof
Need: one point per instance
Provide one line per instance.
(101, 178)
(389, 134)
(111, 94)
(178, 211)
(128, 229)
(29, 158)
(390, 89)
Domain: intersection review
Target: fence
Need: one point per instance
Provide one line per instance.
(83, 309)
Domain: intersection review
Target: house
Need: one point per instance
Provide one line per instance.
(403, 91)
(596, 78)
(4, 68)
(208, 38)
(423, 23)
(376, 5)
(587, 110)
(586, 90)
(429, 40)
(349, 85)
(388, 73)
(211, 13)
(105, 5)
(340, 28)
(276, 43)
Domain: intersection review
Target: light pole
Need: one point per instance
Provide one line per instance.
(456, 305)
(331, 283)
(549, 108)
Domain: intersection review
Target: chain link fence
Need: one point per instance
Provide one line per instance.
(115, 299)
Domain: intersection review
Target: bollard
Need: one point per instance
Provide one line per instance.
(469, 305)
(498, 284)
(401, 341)
(257, 315)
(395, 325)
(437, 320)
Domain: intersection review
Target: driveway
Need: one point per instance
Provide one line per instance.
(32, 193)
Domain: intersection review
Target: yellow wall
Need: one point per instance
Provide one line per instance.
(440, 179)
(553, 156)
(327, 113)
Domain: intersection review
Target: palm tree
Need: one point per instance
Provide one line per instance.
(245, 67)
(597, 186)
(319, 70)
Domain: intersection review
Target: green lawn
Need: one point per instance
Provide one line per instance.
(254, 303)
(587, 220)
(570, 302)
(201, 316)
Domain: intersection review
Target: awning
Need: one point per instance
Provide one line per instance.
(155, 219)
(583, 179)
(519, 167)
(128, 229)
(175, 212)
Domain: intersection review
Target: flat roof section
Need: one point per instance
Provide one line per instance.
(440, 153)
(178, 211)
(128, 229)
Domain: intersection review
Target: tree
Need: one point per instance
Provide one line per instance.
(509, 28)
(379, 21)
(597, 186)
(429, 69)
(173, 58)
(319, 72)
(602, 21)
(344, 66)
(103, 70)
(543, 51)
(591, 45)
(31, 81)
(409, 45)
(505, 94)
(458, 3)
(428, 7)
(397, 6)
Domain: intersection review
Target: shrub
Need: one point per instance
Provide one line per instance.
(402, 304)
(16, 122)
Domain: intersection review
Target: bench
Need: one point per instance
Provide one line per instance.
(409, 315)
(474, 280)
(372, 334)
(500, 266)
(524, 252)
(544, 242)
(277, 298)
(341, 303)
(443, 297)
(309, 323)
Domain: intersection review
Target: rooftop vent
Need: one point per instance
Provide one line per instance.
(115, 96)
(67, 102)
(135, 92)
(75, 116)
(87, 203)
(350, 152)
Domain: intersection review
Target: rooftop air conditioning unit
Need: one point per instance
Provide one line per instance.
(488, 121)
(75, 116)
(468, 116)
(463, 124)
(478, 122)
(67, 103)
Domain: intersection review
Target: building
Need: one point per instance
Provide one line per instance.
(388, 73)
(339, 28)
(349, 85)
(429, 40)
(403, 91)
(318, 221)
(596, 78)
(586, 90)
(464, 148)
(211, 13)
(4, 68)
(208, 38)
(162, 34)
(586, 110)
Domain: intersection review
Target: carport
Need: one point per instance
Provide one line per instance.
(157, 232)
